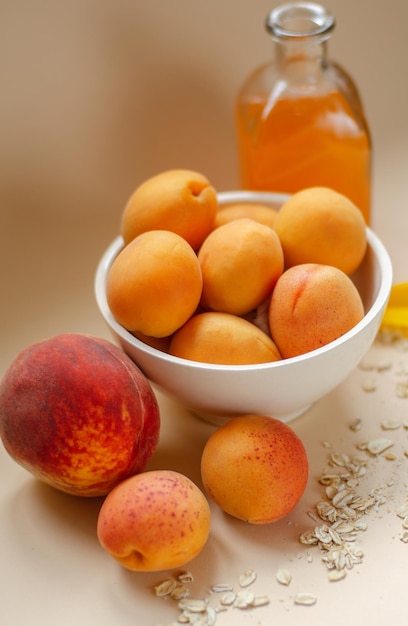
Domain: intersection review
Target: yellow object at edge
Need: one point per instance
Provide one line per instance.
(396, 313)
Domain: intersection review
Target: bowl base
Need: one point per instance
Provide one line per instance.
(219, 420)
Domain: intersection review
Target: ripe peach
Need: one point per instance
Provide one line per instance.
(77, 413)
(181, 201)
(311, 305)
(320, 225)
(259, 212)
(154, 521)
(222, 338)
(240, 263)
(154, 284)
(255, 468)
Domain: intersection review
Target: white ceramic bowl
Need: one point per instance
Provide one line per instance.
(283, 389)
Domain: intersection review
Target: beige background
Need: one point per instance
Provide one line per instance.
(97, 95)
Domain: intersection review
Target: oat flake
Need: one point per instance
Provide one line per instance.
(247, 578)
(283, 576)
(307, 599)
(377, 446)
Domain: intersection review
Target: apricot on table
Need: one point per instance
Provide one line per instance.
(320, 225)
(261, 213)
(182, 201)
(154, 284)
(215, 337)
(312, 305)
(78, 414)
(240, 263)
(154, 521)
(255, 468)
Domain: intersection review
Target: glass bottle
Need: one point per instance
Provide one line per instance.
(300, 120)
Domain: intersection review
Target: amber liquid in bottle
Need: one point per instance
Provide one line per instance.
(300, 124)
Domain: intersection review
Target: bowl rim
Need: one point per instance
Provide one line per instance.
(242, 196)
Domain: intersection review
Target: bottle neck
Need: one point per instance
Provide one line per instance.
(300, 31)
(301, 59)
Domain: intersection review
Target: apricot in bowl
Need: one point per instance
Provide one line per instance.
(284, 388)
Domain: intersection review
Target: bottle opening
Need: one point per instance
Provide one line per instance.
(300, 20)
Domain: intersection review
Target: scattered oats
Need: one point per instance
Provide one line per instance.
(180, 592)
(193, 605)
(377, 446)
(260, 600)
(329, 479)
(362, 471)
(357, 555)
(404, 537)
(165, 588)
(326, 444)
(283, 576)
(307, 599)
(228, 598)
(342, 498)
(405, 424)
(247, 578)
(331, 491)
(362, 504)
(221, 588)
(211, 616)
(322, 534)
(390, 457)
(199, 611)
(308, 538)
(360, 524)
(390, 424)
(406, 453)
(336, 574)
(343, 509)
(403, 511)
(244, 598)
(370, 384)
(326, 511)
(185, 577)
(220, 609)
(198, 620)
(356, 425)
(339, 459)
(405, 522)
(362, 445)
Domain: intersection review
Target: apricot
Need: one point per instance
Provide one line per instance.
(154, 284)
(222, 338)
(312, 305)
(255, 468)
(182, 201)
(240, 263)
(158, 343)
(154, 521)
(261, 213)
(78, 414)
(320, 225)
